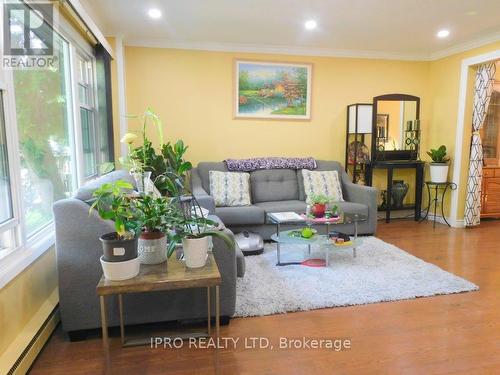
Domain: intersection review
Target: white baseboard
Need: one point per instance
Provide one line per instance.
(454, 223)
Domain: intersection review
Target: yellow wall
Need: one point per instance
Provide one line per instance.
(27, 298)
(444, 82)
(192, 91)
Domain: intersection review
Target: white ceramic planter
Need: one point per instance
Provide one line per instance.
(439, 172)
(195, 251)
(116, 271)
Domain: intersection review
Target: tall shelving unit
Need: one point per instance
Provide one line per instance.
(358, 139)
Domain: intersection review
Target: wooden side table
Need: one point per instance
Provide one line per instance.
(170, 275)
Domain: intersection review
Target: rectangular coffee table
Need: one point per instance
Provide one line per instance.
(281, 237)
(169, 275)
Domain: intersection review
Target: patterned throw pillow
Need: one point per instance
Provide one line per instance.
(230, 188)
(322, 182)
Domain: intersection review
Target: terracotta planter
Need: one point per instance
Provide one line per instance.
(152, 247)
(318, 210)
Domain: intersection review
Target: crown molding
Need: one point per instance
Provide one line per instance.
(305, 51)
(466, 46)
(269, 49)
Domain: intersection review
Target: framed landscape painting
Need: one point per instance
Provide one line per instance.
(272, 90)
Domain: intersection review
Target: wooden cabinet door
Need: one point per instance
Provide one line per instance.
(491, 194)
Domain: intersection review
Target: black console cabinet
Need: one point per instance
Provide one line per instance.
(390, 165)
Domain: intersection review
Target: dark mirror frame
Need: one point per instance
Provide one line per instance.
(392, 154)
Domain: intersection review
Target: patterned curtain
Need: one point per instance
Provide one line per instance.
(483, 89)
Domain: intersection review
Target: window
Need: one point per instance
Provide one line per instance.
(55, 130)
(5, 192)
(87, 117)
(43, 102)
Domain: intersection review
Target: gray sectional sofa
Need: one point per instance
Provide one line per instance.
(280, 190)
(78, 251)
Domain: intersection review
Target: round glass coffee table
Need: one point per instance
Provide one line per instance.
(322, 240)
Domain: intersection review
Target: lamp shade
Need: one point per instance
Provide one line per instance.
(362, 115)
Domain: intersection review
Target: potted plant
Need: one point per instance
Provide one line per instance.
(319, 202)
(333, 213)
(112, 202)
(195, 232)
(154, 214)
(439, 165)
(167, 166)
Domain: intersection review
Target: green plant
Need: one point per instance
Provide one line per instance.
(176, 168)
(153, 213)
(439, 155)
(189, 224)
(319, 199)
(169, 169)
(112, 202)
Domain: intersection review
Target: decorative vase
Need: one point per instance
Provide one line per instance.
(152, 247)
(117, 250)
(195, 251)
(439, 172)
(318, 210)
(143, 182)
(383, 194)
(399, 191)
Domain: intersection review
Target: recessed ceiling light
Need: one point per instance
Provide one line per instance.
(443, 33)
(154, 13)
(310, 25)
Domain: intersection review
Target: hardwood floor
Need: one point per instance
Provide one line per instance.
(451, 334)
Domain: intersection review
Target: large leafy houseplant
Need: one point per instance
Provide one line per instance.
(168, 165)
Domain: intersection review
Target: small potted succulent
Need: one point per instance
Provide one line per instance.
(439, 165)
(319, 202)
(112, 202)
(333, 213)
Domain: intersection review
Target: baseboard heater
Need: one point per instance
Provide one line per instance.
(36, 344)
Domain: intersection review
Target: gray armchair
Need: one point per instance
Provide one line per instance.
(78, 251)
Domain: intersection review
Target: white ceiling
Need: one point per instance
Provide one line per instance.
(359, 28)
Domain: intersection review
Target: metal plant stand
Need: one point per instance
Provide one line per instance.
(436, 186)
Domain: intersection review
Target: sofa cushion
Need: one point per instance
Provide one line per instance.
(243, 215)
(283, 206)
(274, 185)
(85, 192)
(204, 169)
(323, 183)
(322, 165)
(230, 189)
(352, 208)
